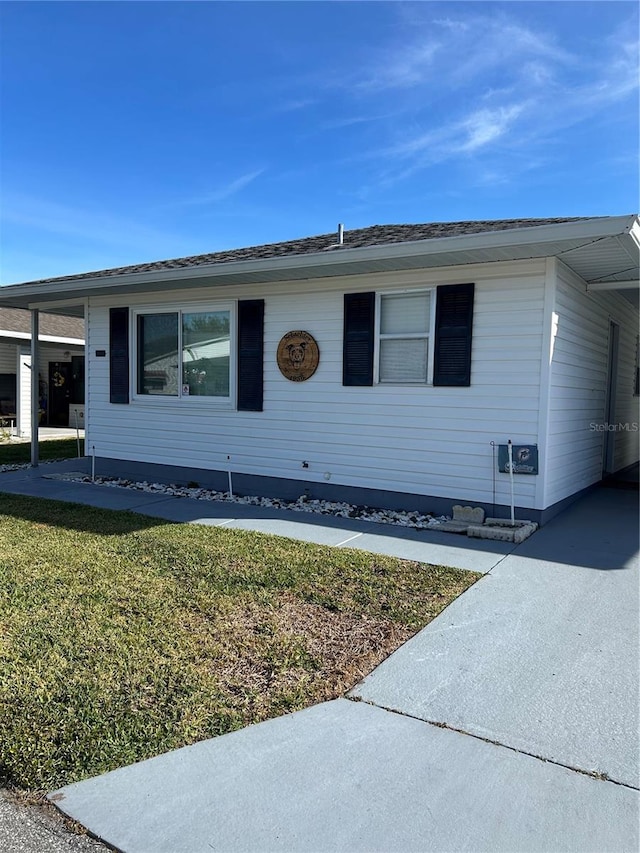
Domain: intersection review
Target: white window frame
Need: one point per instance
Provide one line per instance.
(430, 335)
(186, 399)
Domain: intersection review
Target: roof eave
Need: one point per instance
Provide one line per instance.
(19, 295)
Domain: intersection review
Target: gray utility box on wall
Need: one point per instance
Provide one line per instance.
(76, 415)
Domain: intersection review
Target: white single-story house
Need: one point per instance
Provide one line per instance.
(60, 369)
(388, 365)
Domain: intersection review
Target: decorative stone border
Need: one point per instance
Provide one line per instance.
(470, 521)
(503, 530)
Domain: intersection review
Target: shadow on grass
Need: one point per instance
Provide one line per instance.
(78, 517)
(20, 453)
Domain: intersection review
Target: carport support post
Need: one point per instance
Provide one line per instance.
(35, 386)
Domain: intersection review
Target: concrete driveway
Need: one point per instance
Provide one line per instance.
(542, 654)
(510, 723)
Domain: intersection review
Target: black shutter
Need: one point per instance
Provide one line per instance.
(250, 355)
(454, 321)
(358, 337)
(119, 355)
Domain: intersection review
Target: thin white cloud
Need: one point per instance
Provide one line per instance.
(470, 133)
(294, 105)
(618, 77)
(486, 126)
(452, 24)
(56, 218)
(225, 191)
(523, 82)
(409, 67)
(450, 52)
(336, 124)
(343, 123)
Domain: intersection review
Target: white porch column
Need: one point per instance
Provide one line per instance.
(35, 385)
(23, 390)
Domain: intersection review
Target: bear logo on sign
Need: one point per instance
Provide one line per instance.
(296, 353)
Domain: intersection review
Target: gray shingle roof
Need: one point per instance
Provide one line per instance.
(17, 320)
(375, 235)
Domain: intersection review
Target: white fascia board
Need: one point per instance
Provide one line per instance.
(77, 342)
(628, 244)
(590, 229)
(49, 339)
(53, 305)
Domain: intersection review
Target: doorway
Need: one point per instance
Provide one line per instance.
(60, 386)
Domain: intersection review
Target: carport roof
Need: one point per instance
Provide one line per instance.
(603, 250)
(18, 322)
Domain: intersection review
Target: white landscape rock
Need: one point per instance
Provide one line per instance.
(412, 519)
(19, 466)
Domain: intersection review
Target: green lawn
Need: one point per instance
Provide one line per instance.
(122, 637)
(15, 453)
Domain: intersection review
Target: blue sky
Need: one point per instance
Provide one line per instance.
(138, 131)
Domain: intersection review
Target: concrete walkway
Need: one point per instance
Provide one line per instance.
(49, 434)
(428, 546)
(510, 723)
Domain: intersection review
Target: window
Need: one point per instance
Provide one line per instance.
(404, 338)
(197, 347)
(184, 353)
(413, 337)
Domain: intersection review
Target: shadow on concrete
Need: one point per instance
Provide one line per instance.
(600, 531)
(629, 478)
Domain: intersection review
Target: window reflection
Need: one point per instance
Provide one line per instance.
(158, 354)
(206, 348)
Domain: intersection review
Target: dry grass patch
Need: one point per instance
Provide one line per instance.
(122, 637)
(311, 648)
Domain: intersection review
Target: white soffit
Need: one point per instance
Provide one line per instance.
(604, 260)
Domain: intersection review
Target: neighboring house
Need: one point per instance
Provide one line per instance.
(60, 369)
(425, 347)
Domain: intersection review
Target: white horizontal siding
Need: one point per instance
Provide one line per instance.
(627, 450)
(24, 392)
(401, 438)
(8, 358)
(578, 385)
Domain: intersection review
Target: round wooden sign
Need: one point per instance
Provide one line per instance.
(298, 356)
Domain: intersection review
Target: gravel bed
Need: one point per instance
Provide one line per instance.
(418, 520)
(19, 466)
